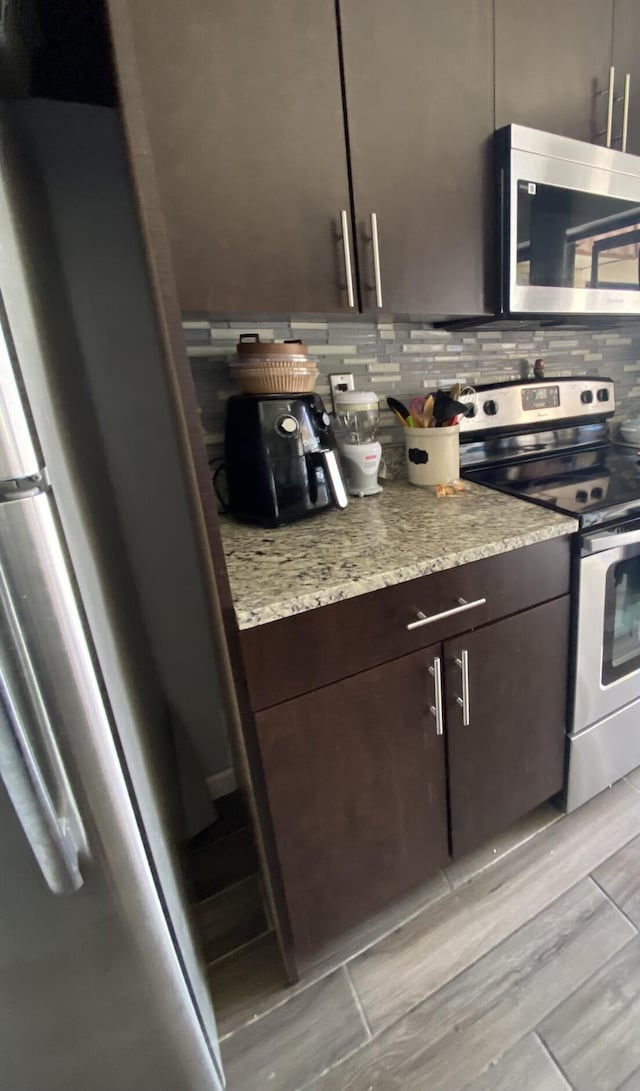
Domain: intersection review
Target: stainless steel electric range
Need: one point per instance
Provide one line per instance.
(547, 442)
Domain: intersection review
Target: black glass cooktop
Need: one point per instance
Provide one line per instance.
(589, 483)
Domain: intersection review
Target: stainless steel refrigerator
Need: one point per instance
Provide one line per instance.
(101, 987)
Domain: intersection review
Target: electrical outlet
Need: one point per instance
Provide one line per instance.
(340, 383)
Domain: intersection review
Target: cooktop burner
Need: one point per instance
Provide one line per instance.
(594, 484)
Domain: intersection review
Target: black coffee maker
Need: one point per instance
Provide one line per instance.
(281, 458)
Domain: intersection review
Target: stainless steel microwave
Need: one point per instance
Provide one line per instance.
(570, 226)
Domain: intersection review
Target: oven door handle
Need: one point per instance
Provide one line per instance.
(598, 543)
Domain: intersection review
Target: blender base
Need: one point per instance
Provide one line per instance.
(361, 462)
(370, 490)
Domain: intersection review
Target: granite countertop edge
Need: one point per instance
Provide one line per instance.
(251, 617)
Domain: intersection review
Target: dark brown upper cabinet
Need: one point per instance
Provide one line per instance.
(552, 61)
(626, 60)
(419, 95)
(243, 108)
(243, 104)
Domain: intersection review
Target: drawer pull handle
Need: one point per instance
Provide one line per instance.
(463, 663)
(436, 710)
(460, 609)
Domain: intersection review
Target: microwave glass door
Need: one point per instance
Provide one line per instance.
(574, 236)
(571, 239)
(621, 637)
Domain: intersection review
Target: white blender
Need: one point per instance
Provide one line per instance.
(359, 415)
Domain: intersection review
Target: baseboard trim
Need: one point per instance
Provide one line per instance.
(221, 784)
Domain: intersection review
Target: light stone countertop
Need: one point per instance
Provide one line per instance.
(379, 541)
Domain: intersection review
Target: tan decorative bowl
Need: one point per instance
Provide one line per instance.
(273, 367)
(267, 379)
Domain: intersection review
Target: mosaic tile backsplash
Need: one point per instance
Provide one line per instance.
(405, 359)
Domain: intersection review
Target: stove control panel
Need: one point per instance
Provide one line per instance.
(537, 404)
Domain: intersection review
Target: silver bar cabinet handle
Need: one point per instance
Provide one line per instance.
(346, 249)
(377, 277)
(625, 111)
(609, 133)
(436, 710)
(460, 609)
(463, 663)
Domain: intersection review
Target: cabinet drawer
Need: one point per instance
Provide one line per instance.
(286, 658)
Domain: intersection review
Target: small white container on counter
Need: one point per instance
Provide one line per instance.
(432, 455)
(630, 431)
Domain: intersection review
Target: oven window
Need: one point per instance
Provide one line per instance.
(621, 649)
(571, 239)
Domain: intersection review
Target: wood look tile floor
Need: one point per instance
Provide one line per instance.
(517, 969)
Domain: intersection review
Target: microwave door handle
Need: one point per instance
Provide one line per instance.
(595, 254)
(334, 477)
(598, 543)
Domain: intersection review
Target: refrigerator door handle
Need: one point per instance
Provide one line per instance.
(18, 454)
(50, 836)
(44, 663)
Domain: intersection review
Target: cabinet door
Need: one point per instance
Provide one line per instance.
(510, 757)
(626, 58)
(355, 776)
(552, 57)
(419, 93)
(244, 111)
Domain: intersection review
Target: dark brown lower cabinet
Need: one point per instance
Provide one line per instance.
(366, 799)
(355, 775)
(510, 755)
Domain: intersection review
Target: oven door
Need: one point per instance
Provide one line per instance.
(573, 229)
(608, 626)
